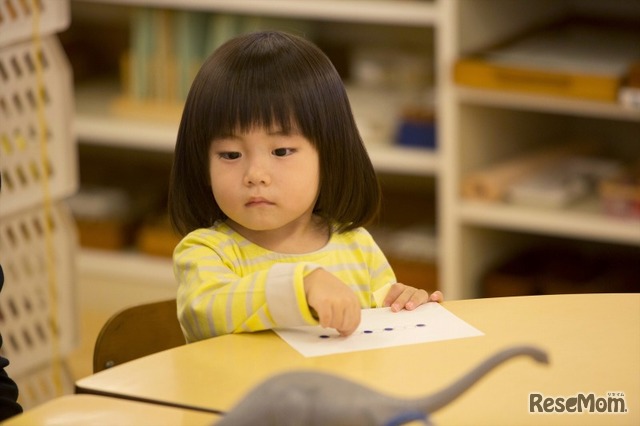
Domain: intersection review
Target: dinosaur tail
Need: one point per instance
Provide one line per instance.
(438, 400)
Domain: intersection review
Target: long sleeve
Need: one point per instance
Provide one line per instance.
(222, 291)
(230, 285)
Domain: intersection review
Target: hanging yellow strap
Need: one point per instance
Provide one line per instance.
(47, 201)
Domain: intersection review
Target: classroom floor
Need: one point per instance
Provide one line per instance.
(80, 361)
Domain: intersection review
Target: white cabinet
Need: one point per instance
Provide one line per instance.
(475, 127)
(486, 126)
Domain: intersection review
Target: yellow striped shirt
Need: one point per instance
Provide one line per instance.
(227, 284)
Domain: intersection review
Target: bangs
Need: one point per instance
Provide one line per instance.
(249, 103)
(254, 82)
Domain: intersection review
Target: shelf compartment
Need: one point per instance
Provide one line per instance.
(32, 125)
(581, 222)
(554, 60)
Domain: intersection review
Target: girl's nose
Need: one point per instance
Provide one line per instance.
(257, 175)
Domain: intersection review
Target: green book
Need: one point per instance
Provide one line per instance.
(190, 40)
(142, 47)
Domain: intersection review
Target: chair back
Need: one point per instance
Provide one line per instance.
(135, 332)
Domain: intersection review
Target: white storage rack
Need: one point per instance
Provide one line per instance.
(17, 18)
(38, 316)
(476, 128)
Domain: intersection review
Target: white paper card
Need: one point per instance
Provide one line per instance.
(381, 328)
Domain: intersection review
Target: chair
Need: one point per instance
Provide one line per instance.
(135, 332)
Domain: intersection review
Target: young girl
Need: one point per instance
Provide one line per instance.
(271, 184)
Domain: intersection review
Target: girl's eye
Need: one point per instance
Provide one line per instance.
(282, 152)
(229, 155)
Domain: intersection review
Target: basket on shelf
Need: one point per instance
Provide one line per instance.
(17, 18)
(20, 150)
(38, 164)
(26, 303)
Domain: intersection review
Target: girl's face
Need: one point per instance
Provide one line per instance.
(265, 180)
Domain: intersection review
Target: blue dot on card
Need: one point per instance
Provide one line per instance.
(420, 325)
(324, 336)
(388, 329)
(368, 331)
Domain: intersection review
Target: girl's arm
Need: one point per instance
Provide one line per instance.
(215, 297)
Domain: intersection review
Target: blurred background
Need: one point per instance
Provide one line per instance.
(506, 136)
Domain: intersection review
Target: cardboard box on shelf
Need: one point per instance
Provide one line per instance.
(620, 195)
(156, 237)
(576, 58)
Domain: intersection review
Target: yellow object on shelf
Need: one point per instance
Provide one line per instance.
(157, 238)
(147, 110)
(577, 59)
(480, 72)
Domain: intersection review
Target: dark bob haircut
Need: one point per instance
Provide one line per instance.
(272, 79)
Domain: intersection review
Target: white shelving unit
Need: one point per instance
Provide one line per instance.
(475, 127)
(487, 125)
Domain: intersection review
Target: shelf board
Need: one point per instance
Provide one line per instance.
(524, 101)
(125, 133)
(582, 221)
(96, 124)
(398, 12)
(126, 265)
(401, 160)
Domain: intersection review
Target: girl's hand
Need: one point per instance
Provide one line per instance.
(402, 296)
(335, 304)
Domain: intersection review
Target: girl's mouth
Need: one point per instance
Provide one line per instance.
(258, 201)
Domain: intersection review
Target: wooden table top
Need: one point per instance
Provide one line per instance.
(593, 341)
